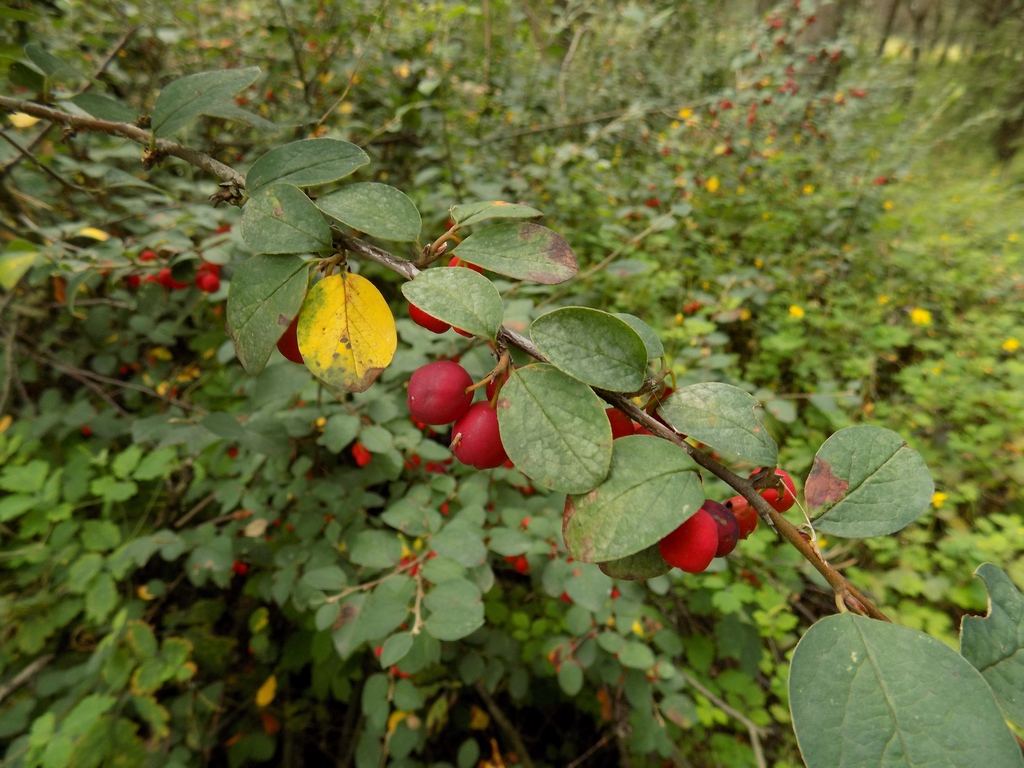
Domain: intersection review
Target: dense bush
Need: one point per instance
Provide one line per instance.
(201, 565)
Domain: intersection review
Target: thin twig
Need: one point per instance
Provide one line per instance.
(25, 675)
(505, 725)
(755, 731)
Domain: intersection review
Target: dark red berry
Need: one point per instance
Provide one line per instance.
(288, 344)
(745, 515)
(476, 440)
(437, 392)
(622, 425)
(691, 547)
(728, 526)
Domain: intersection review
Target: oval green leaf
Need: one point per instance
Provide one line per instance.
(866, 482)
(645, 564)
(188, 97)
(279, 218)
(865, 692)
(554, 429)
(652, 488)
(104, 107)
(462, 297)
(520, 250)
(346, 332)
(722, 416)
(376, 209)
(593, 346)
(655, 348)
(994, 644)
(456, 610)
(306, 163)
(471, 213)
(265, 295)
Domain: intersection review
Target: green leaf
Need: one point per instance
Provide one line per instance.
(395, 648)
(722, 416)
(100, 535)
(230, 111)
(995, 644)
(109, 489)
(645, 564)
(29, 478)
(279, 218)
(101, 598)
(652, 488)
(376, 209)
(188, 97)
(462, 297)
(866, 692)
(265, 295)
(554, 429)
(593, 346)
(456, 610)
(655, 348)
(18, 257)
(22, 75)
(636, 655)
(329, 578)
(376, 549)
(51, 65)
(306, 163)
(104, 107)
(866, 482)
(471, 213)
(520, 250)
(347, 636)
(570, 677)
(227, 426)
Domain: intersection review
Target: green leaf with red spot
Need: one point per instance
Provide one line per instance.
(866, 482)
(520, 250)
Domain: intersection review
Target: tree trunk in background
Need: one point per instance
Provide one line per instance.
(890, 17)
(821, 74)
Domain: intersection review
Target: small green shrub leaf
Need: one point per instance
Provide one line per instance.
(722, 416)
(376, 209)
(462, 297)
(570, 677)
(554, 429)
(520, 250)
(866, 482)
(640, 566)
(994, 644)
(266, 293)
(593, 346)
(866, 692)
(279, 218)
(306, 163)
(456, 610)
(188, 97)
(395, 648)
(104, 107)
(651, 490)
(655, 348)
(471, 213)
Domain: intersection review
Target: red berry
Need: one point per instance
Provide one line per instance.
(437, 392)
(691, 547)
(147, 255)
(622, 425)
(86, 431)
(232, 452)
(239, 568)
(785, 500)
(134, 281)
(288, 344)
(457, 262)
(461, 332)
(207, 282)
(476, 440)
(494, 385)
(427, 321)
(361, 455)
(745, 515)
(728, 526)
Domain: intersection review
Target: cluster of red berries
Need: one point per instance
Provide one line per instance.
(716, 528)
(441, 393)
(428, 321)
(207, 277)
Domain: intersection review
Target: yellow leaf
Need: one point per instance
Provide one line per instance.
(267, 692)
(5, 422)
(346, 332)
(478, 719)
(395, 718)
(95, 234)
(21, 120)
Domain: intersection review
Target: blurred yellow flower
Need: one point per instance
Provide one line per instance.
(713, 184)
(1012, 237)
(1011, 345)
(888, 205)
(938, 499)
(883, 299)
(685, 113)
(796, 311)
(920, 316)
(808, 189)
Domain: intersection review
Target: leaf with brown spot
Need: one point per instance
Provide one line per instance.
(520, 250)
